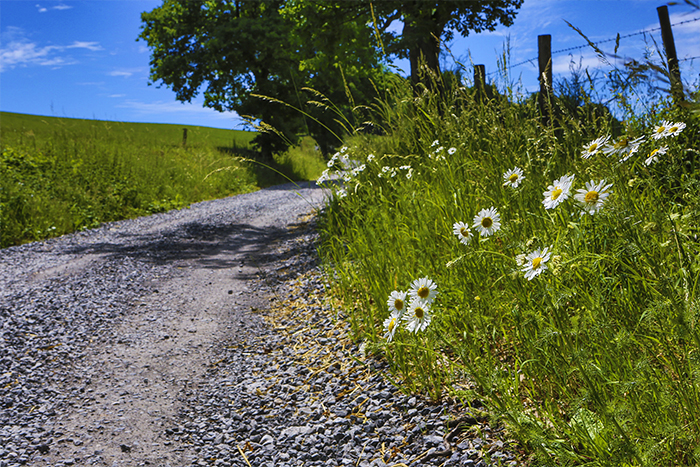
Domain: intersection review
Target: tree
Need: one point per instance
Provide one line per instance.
(236, 50)
(427, 23)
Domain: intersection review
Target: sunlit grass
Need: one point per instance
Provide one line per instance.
(59, 175)
(572, 309)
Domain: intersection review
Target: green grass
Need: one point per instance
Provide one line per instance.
(59, 175)
(595, 361)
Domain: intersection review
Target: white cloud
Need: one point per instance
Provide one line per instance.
(125, 74)
(94, 46)
(59, 7)
(19, 51)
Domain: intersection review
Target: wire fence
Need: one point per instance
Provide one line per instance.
(616, 39)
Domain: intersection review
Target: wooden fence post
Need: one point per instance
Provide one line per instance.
(544, 59)
(670, 48)
(480, 81)
(184, 137)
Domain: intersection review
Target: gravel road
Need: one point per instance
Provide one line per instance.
(202, 337)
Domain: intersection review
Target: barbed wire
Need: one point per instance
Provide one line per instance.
(638, 33)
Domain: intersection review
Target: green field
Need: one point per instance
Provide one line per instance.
(59, 175)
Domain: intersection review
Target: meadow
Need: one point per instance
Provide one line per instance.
(60, 175)
(547, 268)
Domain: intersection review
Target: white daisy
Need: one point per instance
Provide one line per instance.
(654, 156)
(487, 222)
(660, 130)
(557, 192)
(391, 324)
(593, 196)
(423, 289)
(435, 143)
(623, 147)
(462, 231)
(536, 263)
(397, 301)
(341, 193)
(592, 148)
(629, 154)
(417, 317)
(513, 177)
(451, 151)
(325, 176)
(675, 129)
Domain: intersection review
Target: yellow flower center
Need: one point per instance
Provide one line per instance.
(423, 292)
(513, 178)
(464, 231)
(673, 129)
(623, 143)
(419, 312)
(556, 193)
(536, 262)
(660, 129)
(591, 197)
(593, 147)
(398, 304)
(486, 222)
(653, 152)
(392, 324)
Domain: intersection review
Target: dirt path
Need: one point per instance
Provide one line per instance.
(131, 379)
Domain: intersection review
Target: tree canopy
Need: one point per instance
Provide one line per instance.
(233, 51)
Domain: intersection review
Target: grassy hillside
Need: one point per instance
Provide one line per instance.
(491, 256)
(58, 175)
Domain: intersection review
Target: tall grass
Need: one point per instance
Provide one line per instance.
(59, 175)
(595, 360)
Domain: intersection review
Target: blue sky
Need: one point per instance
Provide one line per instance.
(81, 58)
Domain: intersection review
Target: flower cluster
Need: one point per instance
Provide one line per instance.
(342, 166)
(625, 147)
(487, 222)
(414, 315)
(591, 199)
(438, 154)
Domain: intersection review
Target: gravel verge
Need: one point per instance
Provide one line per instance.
(203, 337)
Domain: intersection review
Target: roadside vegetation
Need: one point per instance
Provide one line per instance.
(59, 175)
(550, 269)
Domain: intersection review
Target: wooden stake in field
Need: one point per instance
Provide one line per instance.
(674, 70)
(184, 137)
(544, 59)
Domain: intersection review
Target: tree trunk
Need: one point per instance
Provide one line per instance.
(422, 31)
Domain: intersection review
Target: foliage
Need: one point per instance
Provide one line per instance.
(59, 175)
(426, 24)
(591, 361)
(252, 56)
(239, 51)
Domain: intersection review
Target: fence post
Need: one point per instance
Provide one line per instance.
(480, 81)
(184, 137)
(544, 59)
(670, 48)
